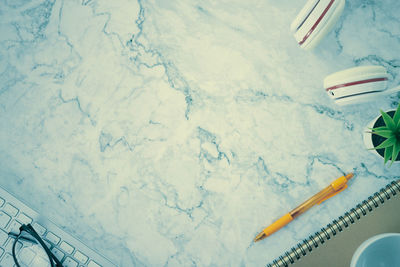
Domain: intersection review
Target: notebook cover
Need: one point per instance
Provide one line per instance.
(338, 251)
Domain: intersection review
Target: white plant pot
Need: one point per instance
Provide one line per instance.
(368, 137)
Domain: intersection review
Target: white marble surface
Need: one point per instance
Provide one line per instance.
(169, 133)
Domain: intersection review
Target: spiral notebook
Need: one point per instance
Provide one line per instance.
(335, 244)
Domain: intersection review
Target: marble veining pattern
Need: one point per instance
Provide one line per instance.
(169, 133)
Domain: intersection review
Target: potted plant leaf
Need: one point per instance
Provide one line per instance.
(383, 137)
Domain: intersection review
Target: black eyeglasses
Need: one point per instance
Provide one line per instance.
(30, 250)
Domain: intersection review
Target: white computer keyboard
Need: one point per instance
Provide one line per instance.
(70, 251)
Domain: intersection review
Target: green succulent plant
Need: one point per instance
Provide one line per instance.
(391, 133)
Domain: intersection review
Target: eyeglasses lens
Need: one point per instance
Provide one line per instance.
(29, 252)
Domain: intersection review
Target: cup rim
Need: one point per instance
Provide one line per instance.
(366, 244)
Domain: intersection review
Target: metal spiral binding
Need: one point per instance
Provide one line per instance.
(338, 225)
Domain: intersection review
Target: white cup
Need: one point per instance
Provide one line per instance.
(381, 250)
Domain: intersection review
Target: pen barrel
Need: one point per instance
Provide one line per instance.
(329, 191)
(278, 224)
(312, 201)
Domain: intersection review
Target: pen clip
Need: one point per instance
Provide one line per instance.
(334, 194)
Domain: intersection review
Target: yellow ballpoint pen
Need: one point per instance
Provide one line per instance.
(334, 188)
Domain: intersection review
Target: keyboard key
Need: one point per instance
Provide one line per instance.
(82, 258)
(58, 253)
(7, 260)
(10, 209)
(14, 227)
(39, 229)
(26, 256)
(52, 238)
(69, 262)
(41, 261)
(93, 264)
(23, 218)
(4, 219)
(1, 201)
(66, 247)
(3, 237)
(10, 244)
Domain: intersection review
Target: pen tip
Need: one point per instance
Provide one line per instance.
(260, 236)
(349, 176)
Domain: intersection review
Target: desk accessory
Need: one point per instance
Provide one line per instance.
(382, 135)
(375, 215)
(381, 250)
(315, 20)
(331, 190)
(18, 219)
(357, 85)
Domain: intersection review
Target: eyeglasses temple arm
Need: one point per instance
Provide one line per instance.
(14, 235)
